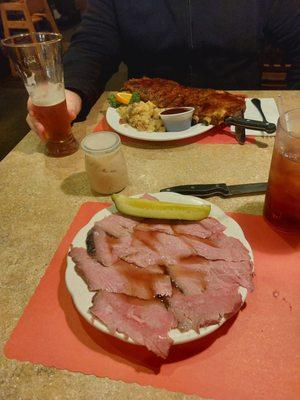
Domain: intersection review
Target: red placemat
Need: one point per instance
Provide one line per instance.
(253, 356)
(217, 135)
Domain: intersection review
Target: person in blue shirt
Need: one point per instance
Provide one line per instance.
(216, 44)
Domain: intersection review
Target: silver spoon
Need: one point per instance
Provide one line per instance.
(257, 104)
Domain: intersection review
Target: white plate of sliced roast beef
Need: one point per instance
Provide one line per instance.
(159, 282)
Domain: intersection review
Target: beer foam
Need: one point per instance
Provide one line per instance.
(47, 94)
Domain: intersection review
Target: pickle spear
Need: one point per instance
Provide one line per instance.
(159, 209)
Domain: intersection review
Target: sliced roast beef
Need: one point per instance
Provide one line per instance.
(189, 281)
(172, 248)
(207, 308)
(155, 225)
(90, 243)
(87, 267)
(212, 224)
(117, 225)
(151, 247)
(122, 277)
(102, 245)
(144, 283)
(237, 272)
(218, 271)
(196, 274)
(106, 248)
(140, 255)
(218, 247)
(139, 251)
(202, 229)
(147, 322)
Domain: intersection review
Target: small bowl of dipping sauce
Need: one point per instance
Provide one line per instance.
(177, 119)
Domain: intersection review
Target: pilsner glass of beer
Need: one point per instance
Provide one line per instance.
(282, 202)
(37, 57)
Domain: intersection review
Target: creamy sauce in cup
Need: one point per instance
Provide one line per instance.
(104, 162)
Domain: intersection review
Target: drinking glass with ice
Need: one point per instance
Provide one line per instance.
(282, 203)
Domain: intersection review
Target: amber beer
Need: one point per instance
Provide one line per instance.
(55, 120)
(50, 108)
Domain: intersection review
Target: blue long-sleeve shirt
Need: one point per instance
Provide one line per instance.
(201, 43)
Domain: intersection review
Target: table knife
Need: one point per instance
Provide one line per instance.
(267, 127)
(219, 189)
(241, 124)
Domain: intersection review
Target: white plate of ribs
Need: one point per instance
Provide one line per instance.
(212, 107)
(159, 283)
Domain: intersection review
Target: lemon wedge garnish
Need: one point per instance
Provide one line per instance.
(123, 97)
(159, 209)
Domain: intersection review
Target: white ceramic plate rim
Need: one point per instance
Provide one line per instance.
(82, 297)
(113, 119)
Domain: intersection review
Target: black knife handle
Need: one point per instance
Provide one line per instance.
(251, 124)
(219, 189)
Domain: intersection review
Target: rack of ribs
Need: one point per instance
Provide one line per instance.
(212, 107)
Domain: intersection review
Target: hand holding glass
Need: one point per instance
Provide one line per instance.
(37, 58)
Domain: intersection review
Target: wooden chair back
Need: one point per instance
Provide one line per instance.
(27, 13)
(41, 9)
(36, 6)
(274, 69)
(22, 23)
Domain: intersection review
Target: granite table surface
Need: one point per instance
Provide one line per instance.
(40, 196)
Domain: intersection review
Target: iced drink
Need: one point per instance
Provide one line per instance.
(282, 203)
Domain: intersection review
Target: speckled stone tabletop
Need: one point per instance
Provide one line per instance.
(40, 196)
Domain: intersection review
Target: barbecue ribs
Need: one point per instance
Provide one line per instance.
(211, 106)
